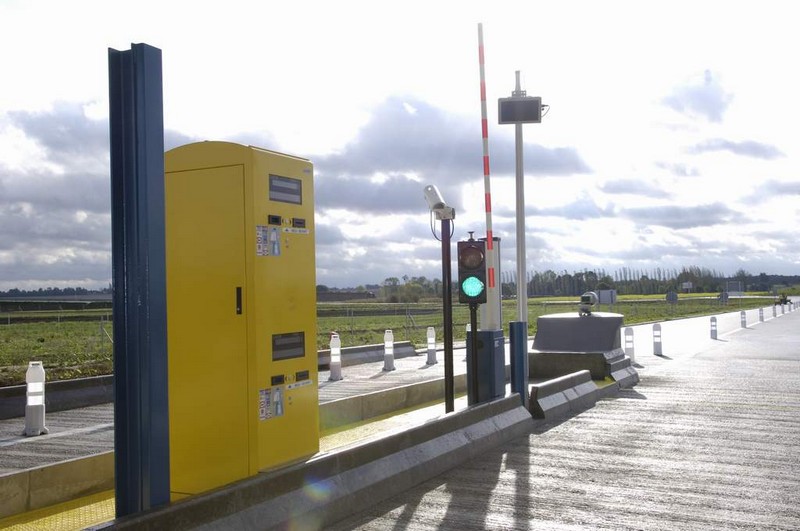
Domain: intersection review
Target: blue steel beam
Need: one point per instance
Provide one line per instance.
(141, 415)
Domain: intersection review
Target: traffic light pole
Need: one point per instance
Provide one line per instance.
(473, 355)
(447, 310)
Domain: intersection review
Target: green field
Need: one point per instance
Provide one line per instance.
(72, 348)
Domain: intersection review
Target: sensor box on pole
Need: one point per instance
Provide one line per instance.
(241, 308)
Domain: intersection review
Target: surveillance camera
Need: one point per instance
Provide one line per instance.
(434, 198)
(588, 300)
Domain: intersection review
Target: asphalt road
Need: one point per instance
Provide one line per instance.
(710, 439)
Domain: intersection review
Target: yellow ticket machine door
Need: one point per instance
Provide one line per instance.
(241, 313)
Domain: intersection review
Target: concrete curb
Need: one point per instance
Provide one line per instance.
(47, 485)
(563, 396)
(365, 354)
(370, 405)
(333, 486)
(59, 395)
(625, 376)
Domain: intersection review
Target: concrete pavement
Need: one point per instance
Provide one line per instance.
(709, 439)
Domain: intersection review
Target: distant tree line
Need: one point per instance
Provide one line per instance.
(627, 281)
(52, 292)
(631, 281)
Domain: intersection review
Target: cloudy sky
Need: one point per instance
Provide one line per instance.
(671, 138)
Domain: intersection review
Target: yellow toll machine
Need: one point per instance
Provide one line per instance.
(241, 313)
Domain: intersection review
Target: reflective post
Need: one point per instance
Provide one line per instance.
(336, 358)
(34, 400)
(388, 351)
(743, 317)
(629, 347)
(657, 347)
(713, 328)
(431, 346)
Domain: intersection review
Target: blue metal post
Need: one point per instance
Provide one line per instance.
(518, 338)
(141, 415)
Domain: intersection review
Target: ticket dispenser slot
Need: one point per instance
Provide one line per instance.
(236, 405)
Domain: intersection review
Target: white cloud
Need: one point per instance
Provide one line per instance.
(663, 145)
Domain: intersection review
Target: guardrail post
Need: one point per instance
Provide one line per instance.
(336, 358)
(713, 328)
(657, 346)
(388, 351)
(629, 348)
(431, 346)
(761, 315)
(743, 316)
(774, 311)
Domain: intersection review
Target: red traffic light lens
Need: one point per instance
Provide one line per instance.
(470, 258)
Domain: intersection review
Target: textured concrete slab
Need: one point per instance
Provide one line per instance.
(705, 441)
(73, 433)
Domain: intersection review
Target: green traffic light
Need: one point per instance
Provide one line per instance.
(472, 286)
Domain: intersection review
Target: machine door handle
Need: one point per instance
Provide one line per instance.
(238, 300)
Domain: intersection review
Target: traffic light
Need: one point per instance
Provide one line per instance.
(472, 271)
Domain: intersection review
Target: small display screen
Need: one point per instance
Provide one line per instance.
(285, 189)
(520, 110)
(288, 346)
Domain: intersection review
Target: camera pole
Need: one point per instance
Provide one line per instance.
(447, 311)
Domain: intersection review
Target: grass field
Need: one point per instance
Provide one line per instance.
(74, 348)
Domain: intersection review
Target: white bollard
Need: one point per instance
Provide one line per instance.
(388, 351)
(774, 311)
(431, 346)
(336, 358)
(761, 315)
(34, 405)
(657, 347)
(783, 309)
(629, 348)
(743, 316)
(713, 328)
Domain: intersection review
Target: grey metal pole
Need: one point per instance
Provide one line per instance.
(522, 278)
